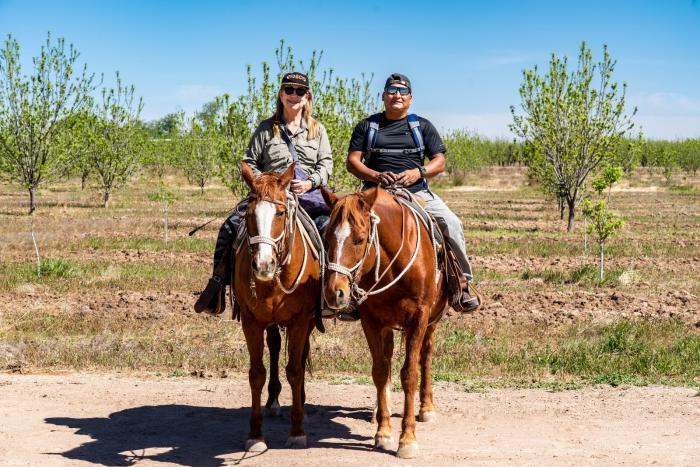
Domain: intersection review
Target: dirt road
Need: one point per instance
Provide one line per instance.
(76, 419)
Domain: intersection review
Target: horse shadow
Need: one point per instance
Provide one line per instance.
(206, 436)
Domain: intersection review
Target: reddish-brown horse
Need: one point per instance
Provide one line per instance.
(277, 282)
(380, 257)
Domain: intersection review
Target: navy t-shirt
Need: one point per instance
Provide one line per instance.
(396, 134)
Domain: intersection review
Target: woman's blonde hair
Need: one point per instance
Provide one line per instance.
(306, 113)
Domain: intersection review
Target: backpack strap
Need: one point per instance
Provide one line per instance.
(372, 132)
(414, 125)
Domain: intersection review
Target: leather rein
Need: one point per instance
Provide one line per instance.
(357, 293)
(291, 222)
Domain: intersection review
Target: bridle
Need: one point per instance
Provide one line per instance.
(290, 208)
(358, 294)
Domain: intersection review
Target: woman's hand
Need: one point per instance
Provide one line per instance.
(299, 187)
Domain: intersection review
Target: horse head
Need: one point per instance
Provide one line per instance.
(268, 220)
(348, 235)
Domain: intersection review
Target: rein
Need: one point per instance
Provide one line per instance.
(288, 232)
(358, 294)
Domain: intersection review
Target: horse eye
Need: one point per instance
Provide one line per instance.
(357, 241)
(279, 214)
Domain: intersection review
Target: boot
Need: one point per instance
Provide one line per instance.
(469, 302)
(212, 300)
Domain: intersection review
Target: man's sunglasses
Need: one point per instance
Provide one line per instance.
(394, 89)
(289, 90)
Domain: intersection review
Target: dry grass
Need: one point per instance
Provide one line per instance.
(114, 296)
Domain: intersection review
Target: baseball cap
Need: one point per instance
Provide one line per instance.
(300, 79)
(398, 78)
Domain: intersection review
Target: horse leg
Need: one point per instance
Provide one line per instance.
(408, 446)
(296, 341)
(256, 376)
(274, 387)
(381, 375)
(427, 410)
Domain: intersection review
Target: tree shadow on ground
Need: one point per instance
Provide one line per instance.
(191, 435)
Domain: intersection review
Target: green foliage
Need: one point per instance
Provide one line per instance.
(163, 145)
(572, 124)
(115, 139)
(199, 151)
(469, 151)
(33, 108)
(671, 155)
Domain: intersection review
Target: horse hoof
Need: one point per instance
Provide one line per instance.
(274, 410)
(255, 445)
(296, 442)
(383, 442)
(407, 451)
(427, 416)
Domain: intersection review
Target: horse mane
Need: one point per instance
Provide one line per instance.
(350, 208)
(266, 186)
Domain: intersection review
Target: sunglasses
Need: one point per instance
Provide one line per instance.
(289, 90)
(394, 89)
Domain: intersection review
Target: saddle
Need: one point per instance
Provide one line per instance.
(444, 255)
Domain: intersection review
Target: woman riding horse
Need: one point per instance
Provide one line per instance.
(290, 136)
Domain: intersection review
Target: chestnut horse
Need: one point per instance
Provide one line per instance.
(277, 282)
(381, 259)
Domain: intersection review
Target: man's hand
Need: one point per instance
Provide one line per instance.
(385, 179)
(408, 177)
(299, 187)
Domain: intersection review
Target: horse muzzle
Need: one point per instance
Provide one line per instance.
(264, 268)
(337, 292)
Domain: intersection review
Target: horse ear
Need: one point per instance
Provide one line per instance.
(287, 176)
(329, 197)
(370, 197)
(248, 175)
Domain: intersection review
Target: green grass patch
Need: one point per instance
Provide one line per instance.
(585, 275)
(186, 244)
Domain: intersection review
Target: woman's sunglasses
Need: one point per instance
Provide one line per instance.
(289, 90)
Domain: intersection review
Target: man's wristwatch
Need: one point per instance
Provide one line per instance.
(422, 171)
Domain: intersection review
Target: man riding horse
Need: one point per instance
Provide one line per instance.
(389, 149)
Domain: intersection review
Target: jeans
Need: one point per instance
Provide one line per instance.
(451, 228)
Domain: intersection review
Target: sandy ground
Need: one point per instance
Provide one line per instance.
(77, 419)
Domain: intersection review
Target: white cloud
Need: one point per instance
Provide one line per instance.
(668, 127)
(666, 103)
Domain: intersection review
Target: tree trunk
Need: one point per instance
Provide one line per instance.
(32, 200)
(560, 201)
(83, 180)
(602, 262)
(165, 220)
(106, 198)
(572, 206)
(36, 247)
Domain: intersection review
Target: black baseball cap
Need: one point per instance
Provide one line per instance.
(300, 79)
(398, 78)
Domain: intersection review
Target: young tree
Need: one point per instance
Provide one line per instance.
(603, 221)
(571, 123)
(199, 152)
(165, 196)
(115, 138)
(33, 107)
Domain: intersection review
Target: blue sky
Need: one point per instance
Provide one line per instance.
(464, 58)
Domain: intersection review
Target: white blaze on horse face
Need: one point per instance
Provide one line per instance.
(342, 232)
(264, 215)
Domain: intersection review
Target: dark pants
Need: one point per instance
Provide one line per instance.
(228, 230)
